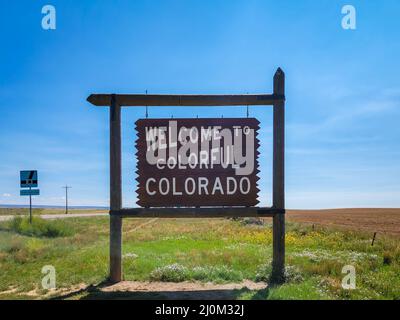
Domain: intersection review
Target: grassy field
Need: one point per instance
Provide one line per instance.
(197, 250)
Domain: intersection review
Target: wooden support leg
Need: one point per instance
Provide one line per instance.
(115, 249)
(115, 192)
(278, 262)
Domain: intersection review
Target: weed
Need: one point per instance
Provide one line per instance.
(169, 273)
(387, 258)
(39, 227)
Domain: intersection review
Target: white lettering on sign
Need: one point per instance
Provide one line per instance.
(202, 149)
(199, 186)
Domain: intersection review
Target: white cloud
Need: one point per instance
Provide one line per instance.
(6, 195)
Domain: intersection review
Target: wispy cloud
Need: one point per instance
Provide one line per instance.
(350, 111)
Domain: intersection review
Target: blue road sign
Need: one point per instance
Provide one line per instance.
(30, 192)
(29, 179)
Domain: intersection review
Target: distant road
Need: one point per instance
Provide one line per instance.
(60, 216)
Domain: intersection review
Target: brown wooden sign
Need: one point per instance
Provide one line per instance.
(149, 171)
(197, 162)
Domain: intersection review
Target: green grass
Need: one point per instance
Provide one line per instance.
(217, 250)
(39, 227)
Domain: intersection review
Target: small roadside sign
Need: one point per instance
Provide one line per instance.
(29, 179)
(30, 192)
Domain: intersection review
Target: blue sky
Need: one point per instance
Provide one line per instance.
(343, 90)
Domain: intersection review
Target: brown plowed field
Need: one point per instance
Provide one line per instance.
(384, 221)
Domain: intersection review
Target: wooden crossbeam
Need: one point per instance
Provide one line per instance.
(131, 100)
(196, 212)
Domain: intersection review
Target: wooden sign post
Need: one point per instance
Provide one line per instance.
(191, 206)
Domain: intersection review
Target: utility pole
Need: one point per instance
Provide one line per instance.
(66, 198)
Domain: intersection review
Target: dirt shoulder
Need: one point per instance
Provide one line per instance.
(143, 290)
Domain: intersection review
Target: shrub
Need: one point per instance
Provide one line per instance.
(14, 246)
(387, 258)
(170, 273)
(39, 227)
(179, 273)
(264, 272)
(252, 221)
(216, 273)
(292, 274)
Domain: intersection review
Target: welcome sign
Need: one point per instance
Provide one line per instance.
(197, 167)
(197, 162)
